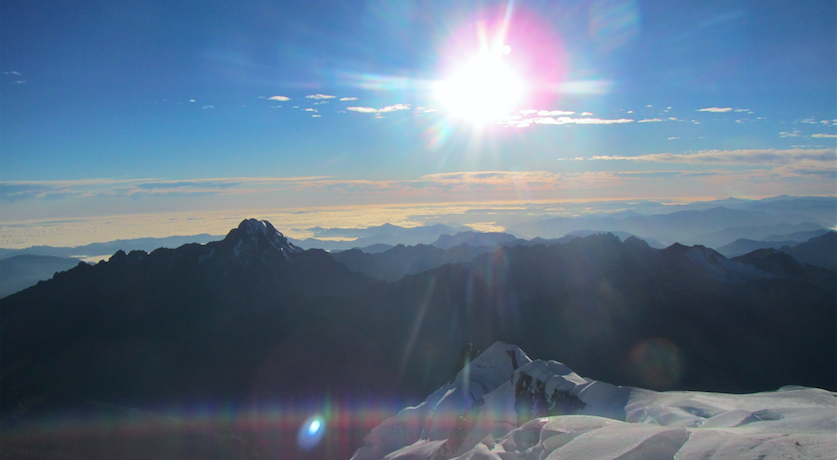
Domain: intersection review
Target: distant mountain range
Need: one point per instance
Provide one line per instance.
(20, 272)
(253, 319)
(819, 250)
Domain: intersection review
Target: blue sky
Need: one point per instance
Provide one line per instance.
(118, 107)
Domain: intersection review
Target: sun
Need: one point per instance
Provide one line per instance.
(484, 89)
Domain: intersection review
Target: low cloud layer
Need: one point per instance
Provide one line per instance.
(752, 157)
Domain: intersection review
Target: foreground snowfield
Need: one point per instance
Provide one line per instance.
(504, 406)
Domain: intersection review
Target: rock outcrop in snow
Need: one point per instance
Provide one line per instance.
(505, 406)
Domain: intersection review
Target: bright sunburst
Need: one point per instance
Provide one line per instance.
(484, 89)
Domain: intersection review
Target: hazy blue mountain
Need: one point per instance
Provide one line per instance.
(728, 235)
(689, 227)
(743, 246)
(474, 239)
(713, 223)
(820, 251)
(20, 272)
(98, 249)
(799, 237)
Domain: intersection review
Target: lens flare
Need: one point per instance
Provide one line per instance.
(658, 361)
(482, 90)
(311, 433)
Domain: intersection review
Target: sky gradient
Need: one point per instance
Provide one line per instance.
(113, 108)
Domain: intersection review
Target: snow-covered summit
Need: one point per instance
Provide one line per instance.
(430, 423)
(505, 406)
(253, 236)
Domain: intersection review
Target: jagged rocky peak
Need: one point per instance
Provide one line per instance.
(254, 234)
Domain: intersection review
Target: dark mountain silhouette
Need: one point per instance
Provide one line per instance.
(252, 319)
(20, 272)
(172, 325)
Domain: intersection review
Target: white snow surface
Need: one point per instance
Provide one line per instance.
(623, 423)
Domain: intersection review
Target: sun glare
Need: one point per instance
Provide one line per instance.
(484, 89)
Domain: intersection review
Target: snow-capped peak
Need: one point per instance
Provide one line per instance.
(254, 235)
(544, 410)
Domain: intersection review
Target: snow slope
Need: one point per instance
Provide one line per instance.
(504, 406)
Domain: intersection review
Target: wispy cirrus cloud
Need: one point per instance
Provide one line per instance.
(11, 191)
(348, 99)
(716, 109)
(824, 136)
(752, 157)
(651, 120)
(320, 96)
(581, 121)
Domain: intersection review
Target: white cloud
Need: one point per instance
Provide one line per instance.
(192, 100)
(316, 116)
(580, 121)
(279, 98)
(320, 96)
(742, 110)
(824, 136)
(362, 109)
(650, 120)
(716, 109)
(207, 107)
(389, 108)
(795, 133)
(586, 114)
(348, 98)
(310, 110)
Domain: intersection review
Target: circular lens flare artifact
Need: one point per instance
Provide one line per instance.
(311, 433)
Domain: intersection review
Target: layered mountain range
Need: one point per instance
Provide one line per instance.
(252, 319)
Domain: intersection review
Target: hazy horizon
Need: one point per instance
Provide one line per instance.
(298, 222)
(113, 110)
